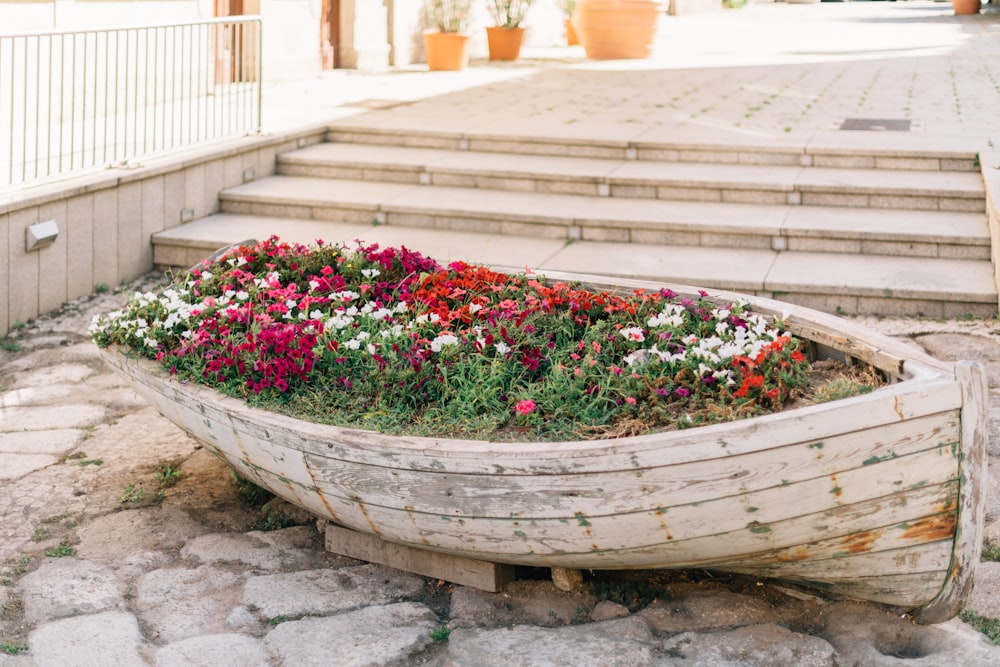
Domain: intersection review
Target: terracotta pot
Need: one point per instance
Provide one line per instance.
(504, 43)
(571, 38)
(446, 50)
(614, 29)
(966, 6)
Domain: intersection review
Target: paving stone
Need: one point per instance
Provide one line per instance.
(751, 646)
(67, 587)
(13, 466)
(214, 651)
(118, 536)
(606, 610)
(521, 602)
(71, 415)
(955, 346)
(695, 607)
(53, 375)
(624, 642)
(34, 395)
(262, 550)
(110, 638)
(368, 637)
(327, 591)
(984, 600)
(241, 617)
(180, 603)
(50, 441)
(874, 637)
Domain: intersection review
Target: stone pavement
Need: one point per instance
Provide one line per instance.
(123, 543)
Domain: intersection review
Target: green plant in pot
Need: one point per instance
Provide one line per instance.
(446, 44)
(506, 36)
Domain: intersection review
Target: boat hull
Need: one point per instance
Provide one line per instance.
(877, 497)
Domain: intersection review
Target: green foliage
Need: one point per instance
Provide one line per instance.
(841, 388)
(61, 551)
(991, 552)
(249, 492)
(13, 649)
(440, 633)
(167, 475)
(277, 620)
(389, 340)
(984, 624)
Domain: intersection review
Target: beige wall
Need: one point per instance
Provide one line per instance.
(106, 221)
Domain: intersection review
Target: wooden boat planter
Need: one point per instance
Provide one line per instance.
(877, 497)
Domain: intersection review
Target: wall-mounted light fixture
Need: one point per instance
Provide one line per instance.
(40, 234)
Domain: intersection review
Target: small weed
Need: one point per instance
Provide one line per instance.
(840, 311)
(22, 565)
(56, 518)
(991, 552)
(840, 388)
(984, 624)
(632, 594)
(249, 492)
(60, 551)
(75, 456)
(274, 521)
(167, 476)
(12, 649)
(90, 462)
(277, 620)
(11, 345)
(440, 633)
(133, 494)
(101, 288)
(41, 533)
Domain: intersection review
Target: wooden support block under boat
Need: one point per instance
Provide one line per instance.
(491, 577)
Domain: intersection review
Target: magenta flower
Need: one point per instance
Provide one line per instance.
(525, 407)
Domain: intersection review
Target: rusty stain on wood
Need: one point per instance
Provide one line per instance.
(897, 407)
(793, 556)
(932, 528)
(857, 543)
(836, 490)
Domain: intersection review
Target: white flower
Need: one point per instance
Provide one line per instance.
(633, 334)
(502, 348)
(371, 348)
(370, 273)
(442, 340)
(243, 295)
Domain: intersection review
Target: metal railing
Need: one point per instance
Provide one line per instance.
(74, 101)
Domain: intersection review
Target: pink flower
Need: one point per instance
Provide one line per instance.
(525, 407)
(630, 400)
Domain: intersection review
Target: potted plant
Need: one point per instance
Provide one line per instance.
(446, 46)
(616, 29)
(506, 36)
(966, 6)
(568, 7)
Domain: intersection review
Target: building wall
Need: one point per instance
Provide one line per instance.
(106, 221)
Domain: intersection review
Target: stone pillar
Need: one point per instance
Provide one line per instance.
(364, 35)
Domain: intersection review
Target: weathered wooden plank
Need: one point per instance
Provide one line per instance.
(659, 488)
(486, 576)
(972, 501)
(927, 557)
(647, 540)
(901, 590)
(806, 425)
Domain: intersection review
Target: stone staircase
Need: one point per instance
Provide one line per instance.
(852, 230)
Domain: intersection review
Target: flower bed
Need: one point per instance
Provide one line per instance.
(389, 340)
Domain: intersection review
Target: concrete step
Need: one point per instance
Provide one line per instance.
(831, 149)
(833, 282)
(643, 179)
(582, 217)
